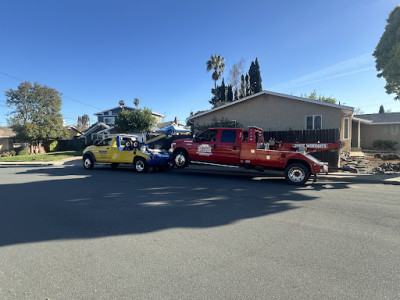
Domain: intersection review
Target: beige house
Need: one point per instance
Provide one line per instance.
(274, 111)
(6, 138)
(371, 127)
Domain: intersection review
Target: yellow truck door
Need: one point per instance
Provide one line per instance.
(102, 152)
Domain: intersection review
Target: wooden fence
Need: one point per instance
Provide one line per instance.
(310, 136)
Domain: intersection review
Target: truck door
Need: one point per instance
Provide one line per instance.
(204, 146)
(102, 152)
(227, 150)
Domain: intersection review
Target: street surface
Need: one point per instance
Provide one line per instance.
(70, 233)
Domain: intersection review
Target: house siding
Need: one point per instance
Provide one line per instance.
(6, 144)
(271, 112)
(373, 132)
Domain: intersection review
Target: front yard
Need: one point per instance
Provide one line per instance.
(51, 156)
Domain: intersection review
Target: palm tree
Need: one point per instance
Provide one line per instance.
(136, 102)
(216, 63)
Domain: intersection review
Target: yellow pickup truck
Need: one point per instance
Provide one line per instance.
(125, 149)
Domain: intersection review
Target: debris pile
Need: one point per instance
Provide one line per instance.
(386, 168)
(374, 163)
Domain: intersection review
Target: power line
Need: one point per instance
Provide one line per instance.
(11, 76)
(66, 97)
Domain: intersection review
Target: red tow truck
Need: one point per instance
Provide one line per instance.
(238, 147)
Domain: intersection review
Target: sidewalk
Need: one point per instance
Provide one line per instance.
(40, 163)
(393, 179)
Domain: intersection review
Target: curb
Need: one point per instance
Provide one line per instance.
(40, 163)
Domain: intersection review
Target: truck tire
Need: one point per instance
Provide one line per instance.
(140, 165)
(88, 162)
(297, 174)
(181, 159)
(135, 144)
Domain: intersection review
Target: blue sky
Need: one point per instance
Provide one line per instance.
(97, 52)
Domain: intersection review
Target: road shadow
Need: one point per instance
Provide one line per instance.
(69, 202)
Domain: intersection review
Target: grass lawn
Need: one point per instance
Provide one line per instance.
(42, 157)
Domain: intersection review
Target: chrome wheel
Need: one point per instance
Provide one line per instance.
(88, 162)
(180, 160)
(140, 165)
(296, 174)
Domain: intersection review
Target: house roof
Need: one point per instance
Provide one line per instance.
(273, 94)
(98, 125)
(73, 128)
(129, 108)
(385, 118)
(6, 132)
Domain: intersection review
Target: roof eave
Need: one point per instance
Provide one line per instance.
(342, 107)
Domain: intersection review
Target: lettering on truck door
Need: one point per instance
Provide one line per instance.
(102, 152)
(205, 146)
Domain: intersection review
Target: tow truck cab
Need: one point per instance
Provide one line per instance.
(233, 146)
(124, 149)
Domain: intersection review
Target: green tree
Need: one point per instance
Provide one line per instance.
(219, 94)
(314, 96)
(242, 91)
(139, 120)
(255, 78)
(136, 102)
(381, 109)
(387, 54)
(36, 117)
(217, 65)
(247, 85)
(236, 96)
(229, 93)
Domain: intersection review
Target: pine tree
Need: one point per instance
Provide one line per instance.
(229, 93)
(242, 91)
(247, 85)
(255, 78)
(381, 109)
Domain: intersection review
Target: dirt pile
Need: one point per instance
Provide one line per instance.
(374, 163)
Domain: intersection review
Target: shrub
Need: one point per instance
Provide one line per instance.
(7, 153)
(386, 145)
(51, 146)
(22, 150)
(223, 122)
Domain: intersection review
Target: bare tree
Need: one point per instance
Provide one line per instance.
(234, 74)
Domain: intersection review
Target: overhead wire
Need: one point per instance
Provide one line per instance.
(64, 96)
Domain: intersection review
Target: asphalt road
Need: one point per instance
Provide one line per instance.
(69, 233)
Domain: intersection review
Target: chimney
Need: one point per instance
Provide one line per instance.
(176, 121)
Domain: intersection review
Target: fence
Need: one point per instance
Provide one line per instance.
(310, 136)
(304, 136)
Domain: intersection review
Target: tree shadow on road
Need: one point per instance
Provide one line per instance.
(72, 203)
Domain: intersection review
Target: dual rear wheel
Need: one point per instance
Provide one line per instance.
(297, 174)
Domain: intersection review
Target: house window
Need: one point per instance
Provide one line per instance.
(314, 122)
(109, 121)
(346, 128)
